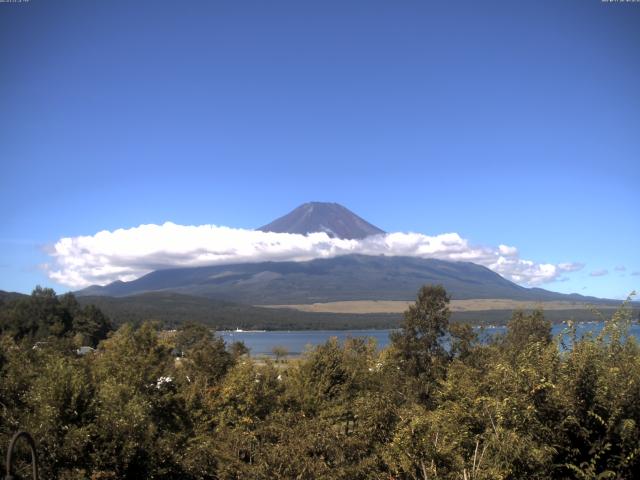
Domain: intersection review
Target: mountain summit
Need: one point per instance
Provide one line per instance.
(331, 218)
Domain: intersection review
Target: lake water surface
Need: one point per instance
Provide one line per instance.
(296, 341)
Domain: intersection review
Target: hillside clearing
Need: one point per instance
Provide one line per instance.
(399, 306)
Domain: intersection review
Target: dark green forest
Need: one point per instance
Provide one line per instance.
(150, 403)
(172, 309)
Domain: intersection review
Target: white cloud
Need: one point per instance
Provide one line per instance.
(506, 250)
(126, 254)
(599, 273)
(571, 267)
(620, 268)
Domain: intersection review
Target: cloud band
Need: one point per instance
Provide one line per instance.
(126, 254)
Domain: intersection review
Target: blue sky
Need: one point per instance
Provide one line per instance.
(513, 123)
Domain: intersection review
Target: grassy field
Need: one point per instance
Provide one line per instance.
(394, 306)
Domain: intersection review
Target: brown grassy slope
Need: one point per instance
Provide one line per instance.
(395, 306)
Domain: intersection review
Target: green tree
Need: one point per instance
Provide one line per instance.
(418, 345)
(37, 316)
(600, 385)
(463, 340)
(91, 324)
(140, 419)
(44, 315)
(237, 349)
(526, 328)
(60, 406)
(191, 333)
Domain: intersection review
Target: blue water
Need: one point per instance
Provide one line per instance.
(297, 341)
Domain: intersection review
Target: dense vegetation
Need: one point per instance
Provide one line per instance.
(172, 309)
(44, 315)
(521, 406)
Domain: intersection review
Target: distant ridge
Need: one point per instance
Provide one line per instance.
(9, 296)
(331, 218)
(347, 277)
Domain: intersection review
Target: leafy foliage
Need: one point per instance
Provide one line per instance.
(43, 314)
(436, 404)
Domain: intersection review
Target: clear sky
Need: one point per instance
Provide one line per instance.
(507, 122)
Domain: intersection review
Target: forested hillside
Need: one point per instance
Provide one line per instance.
(521, 406)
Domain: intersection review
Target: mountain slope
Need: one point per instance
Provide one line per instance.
(331, 218)
(348, 277)
(6, 297)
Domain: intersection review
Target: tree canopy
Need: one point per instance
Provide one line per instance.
(44, 314)
(436, 404)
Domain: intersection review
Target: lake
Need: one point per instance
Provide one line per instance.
(296, 341)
